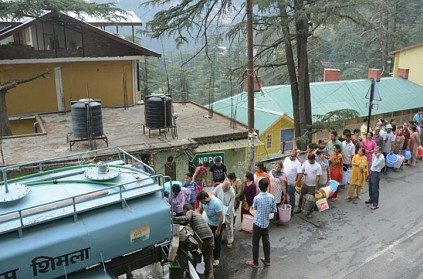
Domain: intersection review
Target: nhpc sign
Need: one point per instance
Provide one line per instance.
(207, 157)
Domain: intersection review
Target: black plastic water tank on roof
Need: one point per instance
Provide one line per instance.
(87, 121)
(158, 111)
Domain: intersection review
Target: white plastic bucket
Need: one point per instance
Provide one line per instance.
(328, 191)
(322, 205)
(247, 222)
(284, 212)
(399, 162)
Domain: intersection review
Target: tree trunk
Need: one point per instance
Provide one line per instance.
(4, 88)
(290, 61)
(302, 32)
(5, 129)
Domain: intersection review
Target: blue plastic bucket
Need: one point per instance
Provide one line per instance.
(407, 154)
(334, 185)
(391, 159)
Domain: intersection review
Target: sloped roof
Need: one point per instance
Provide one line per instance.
(397, 94)
(123, 19)
(263, 117)
(392, 53)
(63, 17)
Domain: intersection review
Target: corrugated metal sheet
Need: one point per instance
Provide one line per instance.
(263, 116)
(234, 144)
(397, 94)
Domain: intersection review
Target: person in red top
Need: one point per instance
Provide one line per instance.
(336, 167)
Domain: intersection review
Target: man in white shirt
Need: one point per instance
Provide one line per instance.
(293, 170)
(374, 178)
(312, 172)
(226, 194)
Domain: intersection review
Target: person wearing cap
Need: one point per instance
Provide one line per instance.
(389, 141)
(179, 197)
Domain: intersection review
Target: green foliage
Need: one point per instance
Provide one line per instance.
(333, 120)
(34, 8)
(353, 73)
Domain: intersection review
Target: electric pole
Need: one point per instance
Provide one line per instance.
(372, 95)
(250, 80)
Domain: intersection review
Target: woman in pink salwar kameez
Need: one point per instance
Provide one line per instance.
(369, 145)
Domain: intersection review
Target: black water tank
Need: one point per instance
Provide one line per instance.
(86, 118)
(158, 111)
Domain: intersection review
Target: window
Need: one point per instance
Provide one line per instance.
(269, 141)
(287, 140)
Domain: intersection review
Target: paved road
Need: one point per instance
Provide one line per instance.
(348, 241)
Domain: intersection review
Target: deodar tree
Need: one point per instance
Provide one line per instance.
(282, 28)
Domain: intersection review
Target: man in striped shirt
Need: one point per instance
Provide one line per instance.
(264, 204)
(200, 226)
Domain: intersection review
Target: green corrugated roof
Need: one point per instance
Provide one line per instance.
(273, 101)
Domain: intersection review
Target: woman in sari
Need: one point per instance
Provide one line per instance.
(336, 168)
(359, 174)
(369, 145)
(278, 180)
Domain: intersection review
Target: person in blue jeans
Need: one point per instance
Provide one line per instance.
(264, 204)
(215, 218)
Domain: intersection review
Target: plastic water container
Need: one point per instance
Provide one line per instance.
(328, 191)
(322, 205)
(247, 223)
(308, 203)
(407, 154)
(398, 164)
(346, 177)
(334, 185)
(391, 159)
(419, 152)
(284, 211)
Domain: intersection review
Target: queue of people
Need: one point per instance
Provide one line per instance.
(352, 160)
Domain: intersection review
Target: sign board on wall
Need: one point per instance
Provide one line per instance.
(207, 157)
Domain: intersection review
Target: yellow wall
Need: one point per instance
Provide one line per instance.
(275, 131)
(411, 59)
(104, 81)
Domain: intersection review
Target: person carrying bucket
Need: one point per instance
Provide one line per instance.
(312, 172)
(336, 168)
(293, 171)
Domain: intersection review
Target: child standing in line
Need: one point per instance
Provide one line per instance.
(192, 186)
